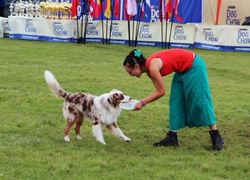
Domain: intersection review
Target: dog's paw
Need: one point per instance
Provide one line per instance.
(66, 138)
(103, 142)
(78, 137)
(127, 139)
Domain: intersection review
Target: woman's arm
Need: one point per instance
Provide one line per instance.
(156, 78)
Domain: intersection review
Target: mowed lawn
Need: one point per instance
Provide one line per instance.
(32, 123)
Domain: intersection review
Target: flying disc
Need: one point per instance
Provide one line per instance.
(129, 105)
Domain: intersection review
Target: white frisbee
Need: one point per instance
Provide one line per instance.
(129, 105)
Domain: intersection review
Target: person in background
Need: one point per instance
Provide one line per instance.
(2, 4)
(190, 103)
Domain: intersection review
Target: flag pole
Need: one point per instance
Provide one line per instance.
(86, 20)
(129, 40)
(129, 33)
(138, 20)
(112, 17)
(81, 15)
(102, 24)
(77, 26)
(160, 17)
(171, 27)
(166, 30)
(133, 34)
(106, 36)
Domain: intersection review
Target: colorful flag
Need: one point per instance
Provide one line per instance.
(167, 10)
(116, 8)
(125, 9)
(146, 8)
(107, 12)
(177, 11)
(75, 3)
(91, 7)
(131, 8)
(98, 9)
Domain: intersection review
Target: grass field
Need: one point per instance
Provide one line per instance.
(31, 130)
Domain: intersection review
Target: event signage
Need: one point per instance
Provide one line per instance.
(211, 37)
(232, 16)
(235, 38)
(41, 29)
(239, 38)
(26, 28)
(58, 30)
(4, 23)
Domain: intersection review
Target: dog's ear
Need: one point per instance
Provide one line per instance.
(115, 99)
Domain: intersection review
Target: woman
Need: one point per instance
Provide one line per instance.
(190, 102)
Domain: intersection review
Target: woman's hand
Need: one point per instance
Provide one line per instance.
(139, 105)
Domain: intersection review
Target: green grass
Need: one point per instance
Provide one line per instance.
(31, 130)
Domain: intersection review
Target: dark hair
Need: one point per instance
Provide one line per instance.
(135, 57)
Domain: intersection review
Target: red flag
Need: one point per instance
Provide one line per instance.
(91, 7)
(141, 9)
(75, 3)
(116, 8)
(98, 9)
(167, 10)
(125, 10)
(176, 13)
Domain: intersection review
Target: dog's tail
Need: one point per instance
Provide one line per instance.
(53, 84)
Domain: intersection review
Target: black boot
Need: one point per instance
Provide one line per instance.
(217, 140)
(170, 140)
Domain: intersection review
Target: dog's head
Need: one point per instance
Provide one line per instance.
(116, 97)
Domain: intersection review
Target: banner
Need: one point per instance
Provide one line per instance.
(235, 38)
(238, 38)
(58, 30)
(211, 37)
(1, 27)
(228, 12)
(41, 29)
(4, 22)
(26, 28)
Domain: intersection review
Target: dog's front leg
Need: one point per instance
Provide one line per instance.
(97, 132)
(114, 129)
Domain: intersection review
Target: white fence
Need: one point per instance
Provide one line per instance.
(220, 37)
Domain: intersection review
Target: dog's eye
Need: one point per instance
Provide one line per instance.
(122, 97)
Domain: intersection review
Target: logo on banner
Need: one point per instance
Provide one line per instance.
(5, 25)
(155, 13)
(179, 33)
(145, 32)
(91, 30)
(243, 36)
(208, 33)
(232, 16)
(58, 29)
(29, 26)
(115, 32)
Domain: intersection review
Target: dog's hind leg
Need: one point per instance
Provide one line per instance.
(97, 132)
(67, 128)
(114, 129)
(78, 125)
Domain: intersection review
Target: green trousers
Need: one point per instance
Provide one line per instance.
(190, 102)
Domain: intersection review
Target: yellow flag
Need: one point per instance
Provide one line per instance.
(107, 12)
